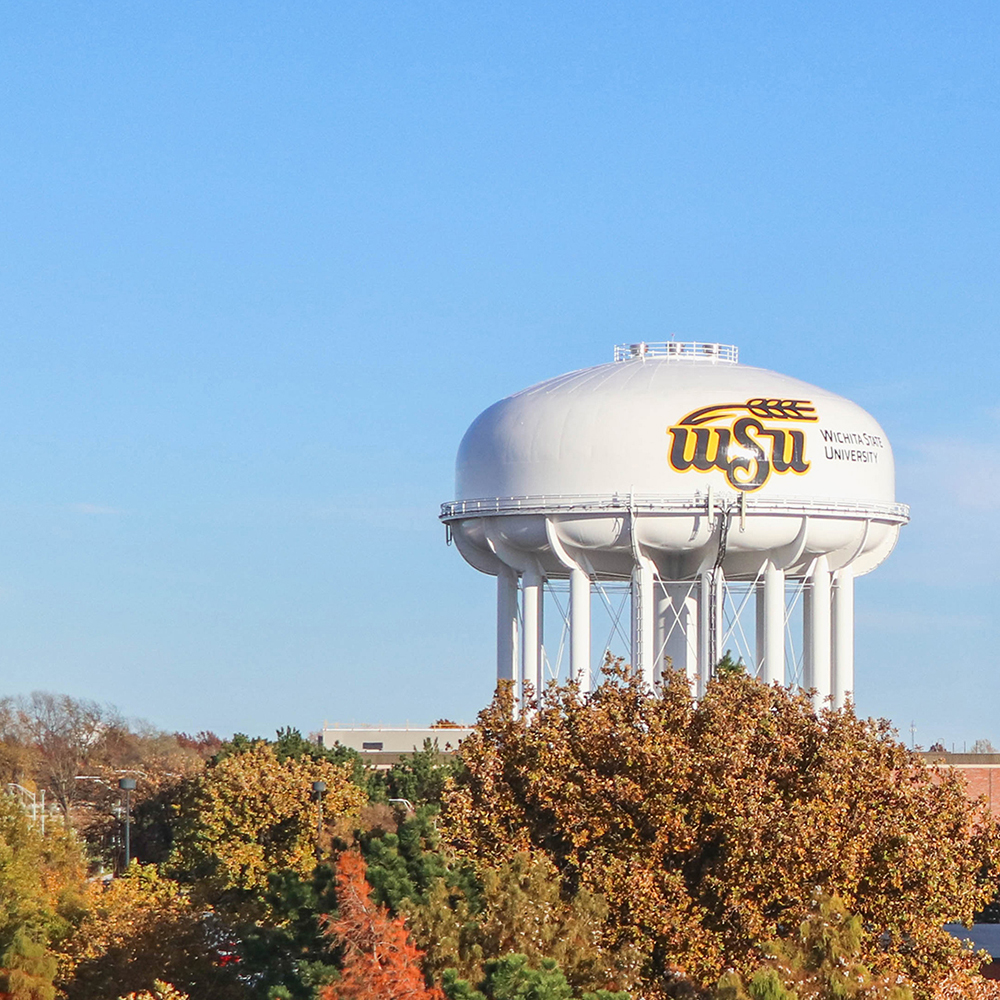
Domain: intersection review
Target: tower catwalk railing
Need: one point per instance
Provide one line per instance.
(455, 510)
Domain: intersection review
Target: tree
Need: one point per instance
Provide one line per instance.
(514, 978)
(28, 967)
(290, 955)
(64, 735)
(160, 991)
(421, 777)
(960, 985)
(727, 666)
(707, 827)
(144, 928)
(819, 959)
(161, 765)
(517, 908)
(380, 961)
(205, 743)
(249, 815)
(42, 886)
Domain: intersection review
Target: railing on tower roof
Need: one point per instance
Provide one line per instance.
(679, 350)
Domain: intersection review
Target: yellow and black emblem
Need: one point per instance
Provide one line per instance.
(742, 446)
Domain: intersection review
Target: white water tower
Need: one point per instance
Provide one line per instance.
(711, 488)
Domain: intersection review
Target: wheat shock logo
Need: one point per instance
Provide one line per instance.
(740, 440)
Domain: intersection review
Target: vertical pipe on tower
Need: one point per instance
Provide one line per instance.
(507, 625)
(843, 637)
(642, 619)
(705, 610)
(760, 627)
(773, 671)
(818, 636)
(579, 628)
(531, 635)
(718, 618)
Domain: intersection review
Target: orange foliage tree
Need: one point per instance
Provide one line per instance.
(379, 959)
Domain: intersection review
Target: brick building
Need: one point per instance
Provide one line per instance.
(980, 770)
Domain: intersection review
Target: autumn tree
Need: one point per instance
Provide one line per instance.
(514, 977)
(818, 960)
(963, 985)
(379, 959)
(517, 908)
(42, 887)
(63, 734)
(143, 928)
(707, 827)
(160, 991)
(161, 765)
(251, 814)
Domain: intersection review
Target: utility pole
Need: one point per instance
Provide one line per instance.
(127, 785)
(319, 790)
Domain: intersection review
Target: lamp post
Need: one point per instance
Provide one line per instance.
(127, 785)
(319, 790)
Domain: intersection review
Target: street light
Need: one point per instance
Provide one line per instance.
(127, 785)
(319, 790)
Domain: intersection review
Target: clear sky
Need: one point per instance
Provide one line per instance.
(262, 263)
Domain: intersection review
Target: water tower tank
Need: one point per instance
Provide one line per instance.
(692, 477)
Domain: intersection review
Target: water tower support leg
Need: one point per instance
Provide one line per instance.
(531, 638)
(843, 637)
(773, 621)
(818, 634)
(579, 628)
(507, 625)
(681, 627)
(642, 619)
(663, 622)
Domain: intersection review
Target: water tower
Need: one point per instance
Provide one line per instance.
(732, 501)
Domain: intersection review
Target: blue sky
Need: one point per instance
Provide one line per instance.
(263, 263)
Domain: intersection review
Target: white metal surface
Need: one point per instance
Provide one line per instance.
(676, 466)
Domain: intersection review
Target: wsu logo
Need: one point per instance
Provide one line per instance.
(745, 448)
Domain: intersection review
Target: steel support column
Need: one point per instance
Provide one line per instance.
(579, 628)
(507, 651)
(680, 623)
(642, 619)
(771, 625)
(843, 637)
(818, 635)
(663, 621)
(532, 594)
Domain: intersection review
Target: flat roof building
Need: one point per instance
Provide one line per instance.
(393, 739)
